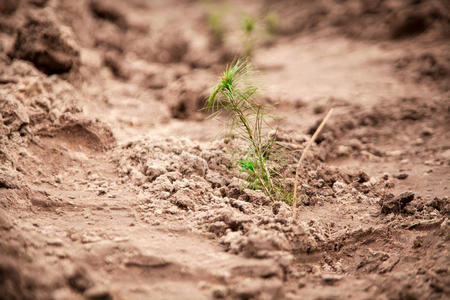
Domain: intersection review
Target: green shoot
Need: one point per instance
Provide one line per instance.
(271, 22)
(248, 27)
(216, 26)
(235, 94)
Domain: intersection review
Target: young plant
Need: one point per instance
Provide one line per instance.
(234, 94)
(271, 22)
(216, 27)
(248, 26)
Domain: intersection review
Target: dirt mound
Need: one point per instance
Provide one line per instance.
(109, 11)
(8, 7)
(16, 284)
(188, 97)
(179, 175)
(35, 109)
(17, 280)
(360, 133)
(365, 19)
(33, 104)
(180, 179)
(47, 45)
(426, 68)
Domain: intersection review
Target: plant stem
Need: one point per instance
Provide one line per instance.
(256, 145)
(302, 157)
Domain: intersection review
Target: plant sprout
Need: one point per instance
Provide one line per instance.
(216, 27)
(235, 94)
(271, 22)
(248, 28)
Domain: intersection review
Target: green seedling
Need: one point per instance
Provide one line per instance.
(216, 26)
(235, 94)
(271, 22)
(248, 26)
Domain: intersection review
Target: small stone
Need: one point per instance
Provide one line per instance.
(343, 150)
(215, 179)
(253, 196)
(219, 292)
(153, 171)
(445, 155)
(5, 222)
(55, 242)
(330, 279)
(418, 142)
(78, 278)
(339, 187)
(429, 162)
(401, 176)
(362, 177)
(301, 284)
(120, 239)
(389, 264)
(203, 285)
(183, 199)
(9, 178)
(395, 153)
(86, 239)
(391, 204)
(418, 242)
(98, 293)
(427, 132)
(390, 184)
(370, 156)
(60, 253)
(101, 192)
(58, 179)
(421, 271)
(355, 144)
(146, 261)
(173, 210)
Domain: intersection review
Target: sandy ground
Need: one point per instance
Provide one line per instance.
(114, 184)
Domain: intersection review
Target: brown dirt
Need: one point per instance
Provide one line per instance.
(115, 185)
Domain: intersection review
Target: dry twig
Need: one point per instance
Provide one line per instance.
(302, 157)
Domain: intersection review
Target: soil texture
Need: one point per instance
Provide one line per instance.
(115, 183)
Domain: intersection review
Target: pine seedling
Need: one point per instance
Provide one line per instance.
(271, 22)
(216, 26)
(248, 27)
(235, 95)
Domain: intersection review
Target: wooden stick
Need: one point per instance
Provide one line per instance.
(302, 157)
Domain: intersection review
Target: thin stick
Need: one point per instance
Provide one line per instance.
(302, 157)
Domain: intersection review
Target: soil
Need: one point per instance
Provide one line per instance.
(115, 184)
